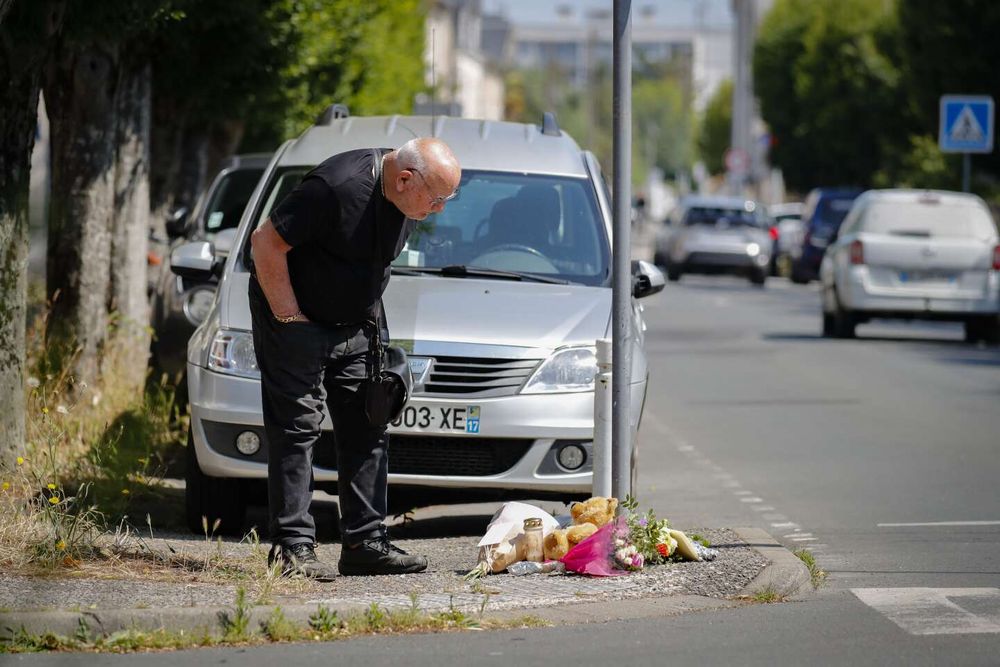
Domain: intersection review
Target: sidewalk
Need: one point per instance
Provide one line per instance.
(184, 584)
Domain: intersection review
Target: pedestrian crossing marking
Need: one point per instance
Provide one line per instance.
(966, 128)
(936, 611)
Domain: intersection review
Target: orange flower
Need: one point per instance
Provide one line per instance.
(663, 549)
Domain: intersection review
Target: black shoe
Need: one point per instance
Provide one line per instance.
(378, 555)
(300, 559)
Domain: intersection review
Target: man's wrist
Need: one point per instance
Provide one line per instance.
(285, 319)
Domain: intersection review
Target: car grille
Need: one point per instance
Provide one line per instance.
(477, 377)
(470, 457)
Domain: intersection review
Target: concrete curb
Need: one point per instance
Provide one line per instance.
(786, 575)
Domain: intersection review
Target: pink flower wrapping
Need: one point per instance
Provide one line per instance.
(595, 555)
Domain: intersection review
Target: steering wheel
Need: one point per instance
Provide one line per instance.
(518, 248)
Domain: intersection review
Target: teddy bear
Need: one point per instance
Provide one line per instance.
(558, 543)
(597, 511)
(588, 516)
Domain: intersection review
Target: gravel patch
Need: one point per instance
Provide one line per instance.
(145, 585)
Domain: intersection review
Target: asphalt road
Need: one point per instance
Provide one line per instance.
(754, 419)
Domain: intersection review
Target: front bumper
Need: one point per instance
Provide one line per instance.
(514, 449)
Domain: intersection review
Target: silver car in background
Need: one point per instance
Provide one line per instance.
(914, 254)
(499, 300)
(715, 235)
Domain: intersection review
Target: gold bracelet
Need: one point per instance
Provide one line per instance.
(288, 318)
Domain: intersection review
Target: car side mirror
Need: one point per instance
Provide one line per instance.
(646, 279)
(195, 260)
(176, 224)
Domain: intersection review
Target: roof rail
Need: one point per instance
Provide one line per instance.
(331, 112)
(549, 125)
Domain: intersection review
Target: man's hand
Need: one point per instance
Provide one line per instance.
(269, 258)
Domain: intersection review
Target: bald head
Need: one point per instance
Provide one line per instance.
(420, 176)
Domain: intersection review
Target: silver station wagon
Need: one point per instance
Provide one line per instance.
(499, 300)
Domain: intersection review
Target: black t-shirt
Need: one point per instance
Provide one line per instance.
(344, 234)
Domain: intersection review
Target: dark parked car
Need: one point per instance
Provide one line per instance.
(824, 210)
(180, 304)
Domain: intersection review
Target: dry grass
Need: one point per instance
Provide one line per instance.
(92, 454)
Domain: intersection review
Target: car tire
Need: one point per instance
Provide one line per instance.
(986, 329)
(658, 259)
(844, 321)
(758, 277)
(673, 274)
(208, 500)
(797, 276)
(828, 325)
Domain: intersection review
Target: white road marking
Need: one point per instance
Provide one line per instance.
(742, 493)
(762, 508)
(936, 611)
(773, 517)
(930, 524)
(752, 499)
(785, 524)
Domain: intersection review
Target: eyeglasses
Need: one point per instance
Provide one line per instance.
(439, 200)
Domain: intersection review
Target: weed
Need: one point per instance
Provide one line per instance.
(703, 541)
(277, 628)
(375, 617)
(237, 626)
(325, 620)
(767, 596)
(816, 575)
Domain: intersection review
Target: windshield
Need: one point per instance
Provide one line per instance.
(523, 223)
(225, 208)
(544, 225)
(721, 216)
(930, 219)
(831, 212)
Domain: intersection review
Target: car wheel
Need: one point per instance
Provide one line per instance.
(797, 276)
(208, 500)
(828, 325)
(658, 259)
(758, 277)
(844, 321)
(673, 274)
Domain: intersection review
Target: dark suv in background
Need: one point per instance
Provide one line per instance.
(180, 304)
(823, 212)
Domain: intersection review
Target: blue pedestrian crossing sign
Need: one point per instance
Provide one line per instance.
(966, 124)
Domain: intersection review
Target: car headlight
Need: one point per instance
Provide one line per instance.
(197, 304)
(232, 353)
(568, 370)
(753, 249)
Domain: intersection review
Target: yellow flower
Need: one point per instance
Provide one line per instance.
(60, 545)
(54, 500)
(20, 460)
(5, 486)
(45, 411)
(52, 487)
(125, 492)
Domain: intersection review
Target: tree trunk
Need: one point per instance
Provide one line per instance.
(26, 32)
(130, 227)
(80, 91)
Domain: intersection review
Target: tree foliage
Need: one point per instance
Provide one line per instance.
(661, 120)
(368, 56)
(829, 89)
(949, 48)
(715, 131)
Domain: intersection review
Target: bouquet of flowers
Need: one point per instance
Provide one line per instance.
(646, 539)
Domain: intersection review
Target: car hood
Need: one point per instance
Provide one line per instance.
(471, 310)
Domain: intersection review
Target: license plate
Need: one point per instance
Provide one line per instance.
(438, 419)
(927, 277)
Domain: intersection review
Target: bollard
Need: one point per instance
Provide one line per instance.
(602, 420)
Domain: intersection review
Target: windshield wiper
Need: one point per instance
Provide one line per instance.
(407, 271)
(463, 271)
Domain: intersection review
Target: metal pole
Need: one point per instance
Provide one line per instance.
(621, 281)
(602, 421)
(966, 171)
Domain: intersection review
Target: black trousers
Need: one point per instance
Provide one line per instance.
(305, 366)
